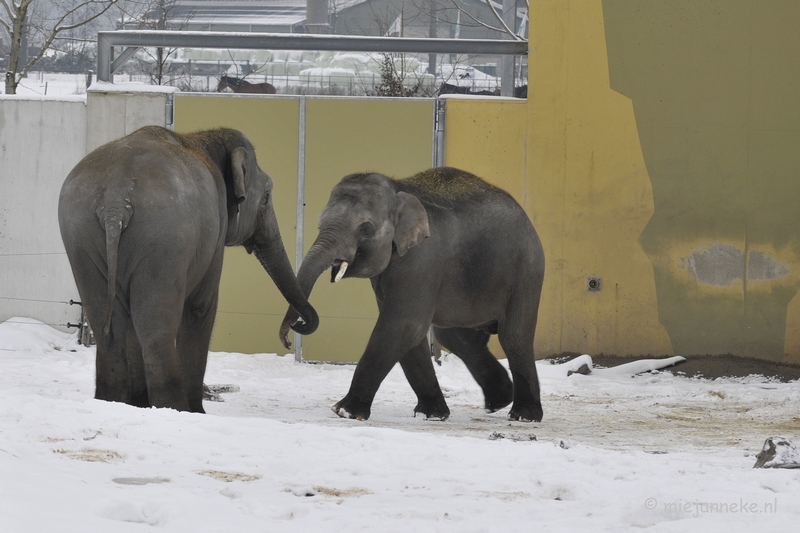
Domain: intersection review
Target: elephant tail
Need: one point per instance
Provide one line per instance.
(114, 221)
(113, 232)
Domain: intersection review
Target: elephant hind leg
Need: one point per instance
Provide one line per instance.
(194, 337)
(138, 381)
(418, 368)
(471, 346)
(156, 314)
(112, 374)
(516, 338)
(111, 366)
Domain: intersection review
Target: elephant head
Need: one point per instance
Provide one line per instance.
(251, 217)
(365, 222)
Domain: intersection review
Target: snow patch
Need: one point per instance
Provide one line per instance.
(615, 452)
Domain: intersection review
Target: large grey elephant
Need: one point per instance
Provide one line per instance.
(145, 220)
(441, 248)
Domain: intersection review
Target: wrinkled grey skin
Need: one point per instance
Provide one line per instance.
(145, 220)
(441, 248)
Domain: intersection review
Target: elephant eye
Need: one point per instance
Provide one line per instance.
(265, 198)
(366, 230)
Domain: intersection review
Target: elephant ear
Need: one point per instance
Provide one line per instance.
(238, 157)
(411, 225)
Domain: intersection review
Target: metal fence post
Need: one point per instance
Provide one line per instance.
(301, 209)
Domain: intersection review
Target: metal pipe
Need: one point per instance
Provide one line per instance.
(104, 49)
(301, 211)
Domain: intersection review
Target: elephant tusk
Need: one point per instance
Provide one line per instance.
(342, 270)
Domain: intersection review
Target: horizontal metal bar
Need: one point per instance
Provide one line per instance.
(294, 41)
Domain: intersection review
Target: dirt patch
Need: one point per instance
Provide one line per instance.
(341, 493)
(228, 477)
(140, 480)
(91, 455)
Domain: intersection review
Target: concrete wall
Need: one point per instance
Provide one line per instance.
(40, 141)
(115, 110)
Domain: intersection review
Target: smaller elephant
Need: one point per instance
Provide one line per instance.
(441, 248)
(145, 220)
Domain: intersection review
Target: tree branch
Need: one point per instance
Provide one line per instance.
(108, 4)
(8, 12)
(504, 29)
(53, 33)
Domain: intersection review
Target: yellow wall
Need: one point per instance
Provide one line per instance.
(714, 88)
(343, 136)
(657, 150)
(486, 136)
(662, 156)
(250, 306)
(570, 155)
(591, 194)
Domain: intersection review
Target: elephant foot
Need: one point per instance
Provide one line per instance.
(532, 413)
(355, 410)
(433, 409)
(497, 397)
(140, 400)
(113, 394)
(171, 398)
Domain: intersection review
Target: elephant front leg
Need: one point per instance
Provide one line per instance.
(357, 404)
(418, 368)
(390, 340)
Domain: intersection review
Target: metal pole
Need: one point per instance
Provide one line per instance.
(301, 209)
(103, 57)
(438, 136)
(507, 61)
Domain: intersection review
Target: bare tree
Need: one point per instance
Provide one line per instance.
(41, 22)
(502, 26)
(503, 16)
(156, 15)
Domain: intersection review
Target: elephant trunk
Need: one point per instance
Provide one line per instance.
(271, 253)
(323, 254)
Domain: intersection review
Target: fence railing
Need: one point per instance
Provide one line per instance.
(132, 40)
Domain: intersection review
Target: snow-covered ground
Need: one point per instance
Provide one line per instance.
(51, 84)
(614, 452)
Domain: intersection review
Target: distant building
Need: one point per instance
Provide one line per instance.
(466, 19)
(268, 16)
(447, 19)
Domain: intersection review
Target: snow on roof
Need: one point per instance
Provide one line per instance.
(210, 14)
